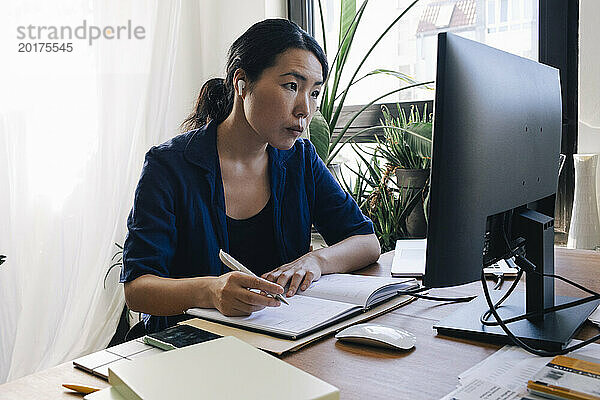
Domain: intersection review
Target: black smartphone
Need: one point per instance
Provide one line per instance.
(179, 336)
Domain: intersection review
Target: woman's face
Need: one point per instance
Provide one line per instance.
(282, 102)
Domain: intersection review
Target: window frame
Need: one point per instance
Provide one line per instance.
(558, 46)
(302, 13)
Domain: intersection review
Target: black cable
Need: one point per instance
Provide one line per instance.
(508, 224)
(483, 318)
(499, 281)
(526, 265)
(545, 311)
(530, 267)
(414, 293)
(511, 253)
(418, 290)
(518, 341)
(448, 299)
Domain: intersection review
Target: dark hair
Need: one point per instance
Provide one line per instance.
(254, 51)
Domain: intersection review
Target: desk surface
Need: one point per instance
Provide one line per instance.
(429, 371)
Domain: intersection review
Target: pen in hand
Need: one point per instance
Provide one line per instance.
(235, 265)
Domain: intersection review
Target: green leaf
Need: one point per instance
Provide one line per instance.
(387, 206)
(347, 13)
(357, 113)
(397, 74)
(323, 27)
(326, 105)
(338, 110)
(408, 140)
(319, 135)
(423, 130)
(350, 19)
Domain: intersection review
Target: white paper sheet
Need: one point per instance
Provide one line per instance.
(509, 369)
(512, 366)
(480, 389)
(302, 314)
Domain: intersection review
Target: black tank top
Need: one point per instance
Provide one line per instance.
(252, 241)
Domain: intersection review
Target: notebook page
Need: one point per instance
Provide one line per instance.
(354, 289)
(302, 314)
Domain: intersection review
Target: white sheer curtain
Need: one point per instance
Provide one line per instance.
(73, 132)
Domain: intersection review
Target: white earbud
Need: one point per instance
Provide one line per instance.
(241, 85)
(303, 123)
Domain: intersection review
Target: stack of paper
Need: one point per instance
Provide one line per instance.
(504, 374)
(566, 377)
(224, 368)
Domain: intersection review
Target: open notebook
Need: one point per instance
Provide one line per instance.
(328, 300)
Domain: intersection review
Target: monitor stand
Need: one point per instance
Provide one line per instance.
(551, 332)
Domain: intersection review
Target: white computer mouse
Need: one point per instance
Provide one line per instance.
(378, 335)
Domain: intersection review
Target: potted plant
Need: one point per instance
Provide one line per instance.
(406, 147)
(325, 120)
(333, 98)
(380, 199)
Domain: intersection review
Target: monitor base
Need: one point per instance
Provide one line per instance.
(553, 333)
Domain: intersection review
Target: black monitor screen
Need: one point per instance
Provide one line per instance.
(494, 174)
(496, 144)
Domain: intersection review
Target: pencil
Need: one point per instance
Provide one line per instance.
(81, 388)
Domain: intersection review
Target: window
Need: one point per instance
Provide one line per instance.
(543, 30)
(411, 46)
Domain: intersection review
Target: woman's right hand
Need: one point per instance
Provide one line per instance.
(231, 296)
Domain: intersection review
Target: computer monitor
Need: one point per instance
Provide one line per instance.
(496, 144)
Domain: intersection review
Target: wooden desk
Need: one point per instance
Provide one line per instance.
(429, 371)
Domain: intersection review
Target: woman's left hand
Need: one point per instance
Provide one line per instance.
(299, 273)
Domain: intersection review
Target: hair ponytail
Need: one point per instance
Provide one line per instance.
(214, 102)
(253, 52)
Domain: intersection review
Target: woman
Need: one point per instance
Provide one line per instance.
(244, 182)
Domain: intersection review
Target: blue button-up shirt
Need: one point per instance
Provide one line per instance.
(178, 224)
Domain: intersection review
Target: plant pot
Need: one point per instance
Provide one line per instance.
(409, 182)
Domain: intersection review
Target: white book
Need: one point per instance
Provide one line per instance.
(330, 299)
(224, 368)
(409, 258)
